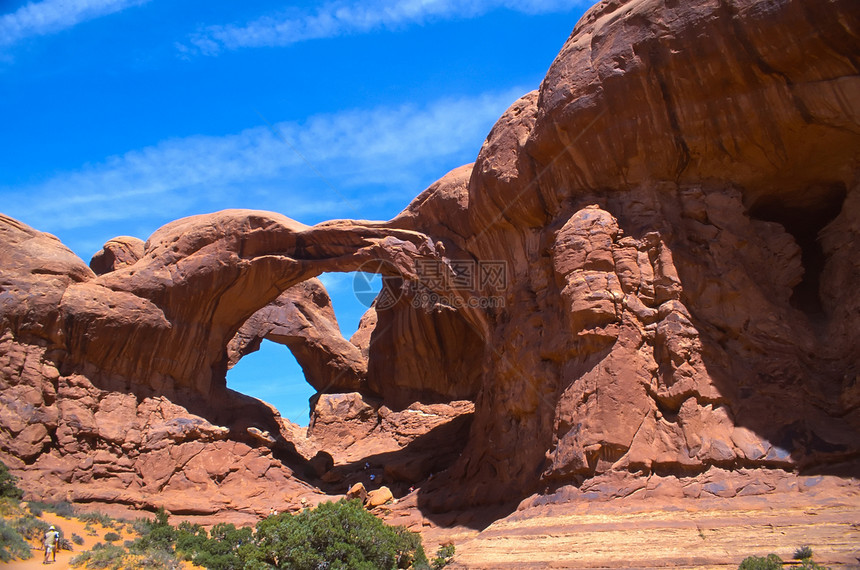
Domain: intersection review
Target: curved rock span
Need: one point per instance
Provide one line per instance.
(650, 270)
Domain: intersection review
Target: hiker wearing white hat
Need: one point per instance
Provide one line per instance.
(51, 539)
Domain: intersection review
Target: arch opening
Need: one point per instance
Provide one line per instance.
(272, 374)
(301, 334)
(352, 294)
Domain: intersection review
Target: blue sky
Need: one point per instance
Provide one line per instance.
(119, 116)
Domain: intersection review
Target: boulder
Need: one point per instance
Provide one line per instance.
(378, 497)
(357, 491)
(117, 253)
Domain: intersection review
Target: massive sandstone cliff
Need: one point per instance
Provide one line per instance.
(676, 216)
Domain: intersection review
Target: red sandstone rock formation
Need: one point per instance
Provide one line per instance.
(668, 204)
(117, 253)
(129, 367)
(677, 212)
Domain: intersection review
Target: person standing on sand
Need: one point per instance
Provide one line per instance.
(51, 539)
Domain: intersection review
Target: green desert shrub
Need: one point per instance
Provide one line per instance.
(8, 484)
(79, 540)
(101, 556)
(334, 536)
(340, 535)
(62, 509)
(444, 555)
(190, 539)
(156, 535)
(105, 520)
(12, 544)
(411, 552)
(159, 560)
(112, 537)
(226, 549)
(31, 528)
(10, 507)
(774, 562)
(34, 530)
(808, 564)
(141, 526)
(769, 562)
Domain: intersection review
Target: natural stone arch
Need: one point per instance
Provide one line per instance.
(201, 278)
(302, 319)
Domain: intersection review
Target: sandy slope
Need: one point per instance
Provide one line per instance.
(69, 527)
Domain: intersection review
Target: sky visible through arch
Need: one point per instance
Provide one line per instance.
(119, 116)
(273, 374)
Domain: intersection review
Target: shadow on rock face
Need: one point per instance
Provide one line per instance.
(402, 469)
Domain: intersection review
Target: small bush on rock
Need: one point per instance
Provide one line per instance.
(808, 564)
(774, 562)
(770, 562)
(444, 555)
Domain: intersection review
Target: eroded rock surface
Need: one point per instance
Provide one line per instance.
(665, 205)
(113, 386)
(663, 243)
(117, 253)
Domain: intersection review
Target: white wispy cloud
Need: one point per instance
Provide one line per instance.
(336, 282)
(51, 16)
(344, 18)
(391, 151)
